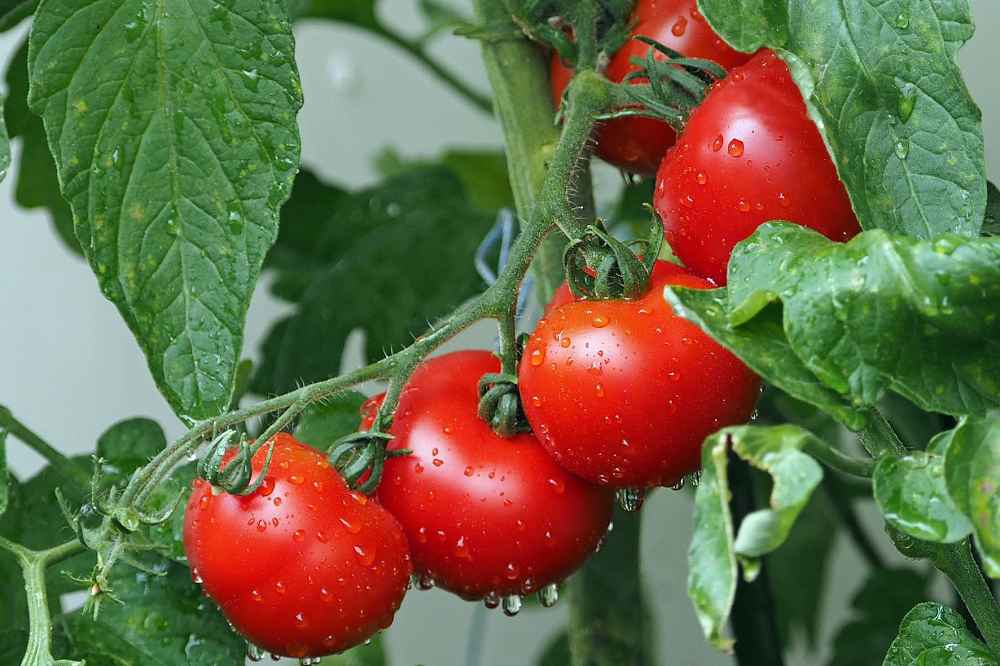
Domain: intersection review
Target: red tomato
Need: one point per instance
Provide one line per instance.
(484, 515)
(749, 154)
(303, 566)
(638, 144)
(623, 393)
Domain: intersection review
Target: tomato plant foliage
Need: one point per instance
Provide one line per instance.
(162, 140)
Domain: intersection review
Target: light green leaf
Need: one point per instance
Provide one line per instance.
(881, 82)
(935, 635)
(173, 127)
(877, 313)
(713, 551)
(911, 493)
(483, 173)
(972, 473)
(885, 597)
(323, 423)
(762, 345)
(165, 620)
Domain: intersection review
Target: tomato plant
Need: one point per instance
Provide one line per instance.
(623, 393)
(638, 144)
(749, 154)
(486, 517)
(820, 363)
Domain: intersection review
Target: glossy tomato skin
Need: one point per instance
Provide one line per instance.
(303, 566)
(484, 515)
(638, 144)
(748, 154)
(622, 393)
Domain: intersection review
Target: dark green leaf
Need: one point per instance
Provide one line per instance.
(323, 423)
(360, 13)
(130, 444)
(556, 651)
(911, 492)
(935, 635)
(878, 606)
(415, 265)
(991, 222)
(713, 552)
(762, 345)
(164, 620)
(610, 619)
(369, 654)
(881, 82)
(12, 12)
(972, 472)
(483, 173)
(174, 131)
(4, 476)
(934, 300)
(37, 184)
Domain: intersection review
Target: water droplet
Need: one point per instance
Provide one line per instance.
(425, 582)
(674, 375)
(299, 535)
(903, 21)
(717, 143)
(359, 498)
(631, 499)
(468, 471)
(549, 595)
(902, 148)
(679, 485)
(365, 555)
(687, 201)
(204, 502)
(511, 571)
(300, 620)
(254, 653)
(235, 217)
(558, 486)
(462, 549)
(599, 390)
(196, 577)
(679, 26)
(735, 148)
(256, 595)
(512, 605)
(279, 587)
(261, 525)
(565, 342)
(437, 462)
(743, 205)
(537, 357)
(325, 595)
(907, 100)
(599, 321)
(296, 479)
(491, 600)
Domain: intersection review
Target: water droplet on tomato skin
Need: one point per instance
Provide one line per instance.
(300, 620)
(599, 390)
(261, 525)
(537, 357)
(352, 528)
(717, 143)
(679, 27)
(631, 499)
(735, 148)
(512, 605)
(599, 321)
(196, 577)
(437, 462)
(701, 178)
(462, 549)
(491, 600)
(743, 205)
(425, 582)
(279, 587)
(468, 471)
(299, 535)
(548, 596)
(254, 653)
(557, 485)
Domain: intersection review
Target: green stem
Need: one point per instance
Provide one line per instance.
(415, 49)
(33, 565)
(957, 563)
(69, 470)
(610, 622)
(878, 436)
(836, 459)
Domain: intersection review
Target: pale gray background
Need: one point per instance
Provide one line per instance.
(70, 368)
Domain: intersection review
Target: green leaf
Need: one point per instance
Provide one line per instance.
(174, 131)
(991, 222)
(4, 145)
(360, 13)
(885, 596)
(368, 654)
(935, 635)
(323, 423)
(556, 651)
(37, 184)
(164, 620)
(130, 444)
(972, 473)
(881, 82)
(911, 493)
(4, 476)
(713, 552)
(762, 345)
(934, 300)
(413, 266)
(12, 12)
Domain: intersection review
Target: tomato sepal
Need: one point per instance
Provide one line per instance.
(599, 266)
(500, 404)
(234, 476)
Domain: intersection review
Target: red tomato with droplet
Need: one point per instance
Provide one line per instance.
(484, 515)
(303, 566)
(623, 393)
(748, 154)
(638, 144)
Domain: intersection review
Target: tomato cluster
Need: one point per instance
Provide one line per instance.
(619, 395)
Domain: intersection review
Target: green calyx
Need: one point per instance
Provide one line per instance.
(500, 404)
(585, 33)
(601, 267)
(234, 476)
(360, 458)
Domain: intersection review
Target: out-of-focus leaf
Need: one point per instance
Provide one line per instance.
(880, 603)
(322, 423)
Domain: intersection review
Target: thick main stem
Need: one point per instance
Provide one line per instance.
(957, 563)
